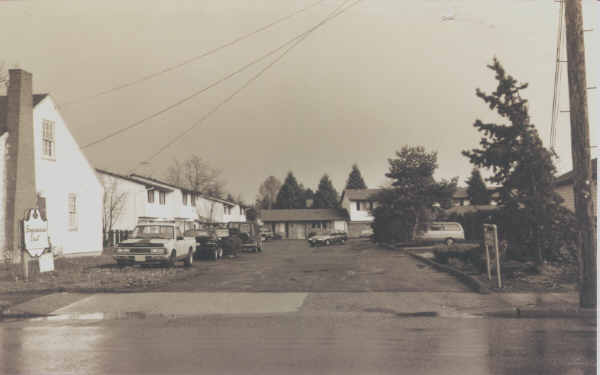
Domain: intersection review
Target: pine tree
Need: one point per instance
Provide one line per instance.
(355, 180)
(290, 194)
(413, 192)
(521, 164)
(326, 195)
(476, 189)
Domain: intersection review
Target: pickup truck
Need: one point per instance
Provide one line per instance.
(153, 243)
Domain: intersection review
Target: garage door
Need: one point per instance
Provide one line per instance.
(297, 232)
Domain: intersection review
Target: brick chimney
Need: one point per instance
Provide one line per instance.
(20, 167)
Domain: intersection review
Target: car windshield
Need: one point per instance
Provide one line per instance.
(153, 231)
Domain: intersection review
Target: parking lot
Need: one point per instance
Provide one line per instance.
(292, 265)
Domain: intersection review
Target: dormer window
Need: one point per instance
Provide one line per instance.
(48, 139)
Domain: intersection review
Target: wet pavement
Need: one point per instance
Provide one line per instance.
(439, 328)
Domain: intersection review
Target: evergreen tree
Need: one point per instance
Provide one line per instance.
(355, 180)
(290, 195)
(521, 164)
(309, 196)
(326, 195)
(476, 189)
(410, 198)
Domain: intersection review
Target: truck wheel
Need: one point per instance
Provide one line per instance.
(189, 260)
(172, 259)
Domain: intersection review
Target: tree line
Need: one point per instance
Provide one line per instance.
(273, 194)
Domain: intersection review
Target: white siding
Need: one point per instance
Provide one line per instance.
(210, 210)
(68, 173)
(362, 215)
(134, 200)
(236, 214)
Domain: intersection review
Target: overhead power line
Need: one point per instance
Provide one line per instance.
(192, 59)
(337, 12)
(557, 78)
(198, 92)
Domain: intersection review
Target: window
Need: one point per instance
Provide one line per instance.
(193, 199)
(357, 205)
(162, 197)
(185, 199)
(72, 202)
(436, 227)
(48, 140)
(150, 196)
(370, 206)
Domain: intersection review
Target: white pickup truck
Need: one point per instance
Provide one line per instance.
(156, 243)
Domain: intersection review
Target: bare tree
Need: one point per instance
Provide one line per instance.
(3, 77)
(113, 204)
(196, 174)
(267, 192)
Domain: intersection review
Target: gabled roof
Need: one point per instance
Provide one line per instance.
(37, 98)
(567, 178)
(123, 177)
(359, 194)
(303, 214)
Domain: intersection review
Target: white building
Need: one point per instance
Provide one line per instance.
(46, 169)
(359, 203)
(133, 198)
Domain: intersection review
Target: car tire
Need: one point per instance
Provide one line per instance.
(327, 243)
(172, 259)
(449, 241)
(220, 253)
(214, 255)
(189, 260)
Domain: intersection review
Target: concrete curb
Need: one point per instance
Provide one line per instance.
(469, 281)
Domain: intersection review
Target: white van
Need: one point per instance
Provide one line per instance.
(439, 231)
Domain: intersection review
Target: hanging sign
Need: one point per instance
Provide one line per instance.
(35, 232)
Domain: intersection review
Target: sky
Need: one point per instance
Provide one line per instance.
(382, 75)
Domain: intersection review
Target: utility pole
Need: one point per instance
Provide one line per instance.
(580, 151)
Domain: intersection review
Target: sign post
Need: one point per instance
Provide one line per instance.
(490, 236)
(35, 240)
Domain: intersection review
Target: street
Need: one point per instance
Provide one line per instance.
(352, 309)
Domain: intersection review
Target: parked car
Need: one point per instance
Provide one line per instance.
(328, 238)
(266, 233)
(249, 233)
(160, 242)
(366, 233)
(209, 240)
(340, 236)
(439, 231)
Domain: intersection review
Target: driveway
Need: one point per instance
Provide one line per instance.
(294, 266)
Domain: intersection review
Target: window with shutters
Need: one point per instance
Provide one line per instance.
(48, 140)
(73, 220)
(162, 197)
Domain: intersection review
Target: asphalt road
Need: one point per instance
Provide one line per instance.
(350, 309)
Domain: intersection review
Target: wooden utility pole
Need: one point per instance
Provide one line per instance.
(580, 150)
